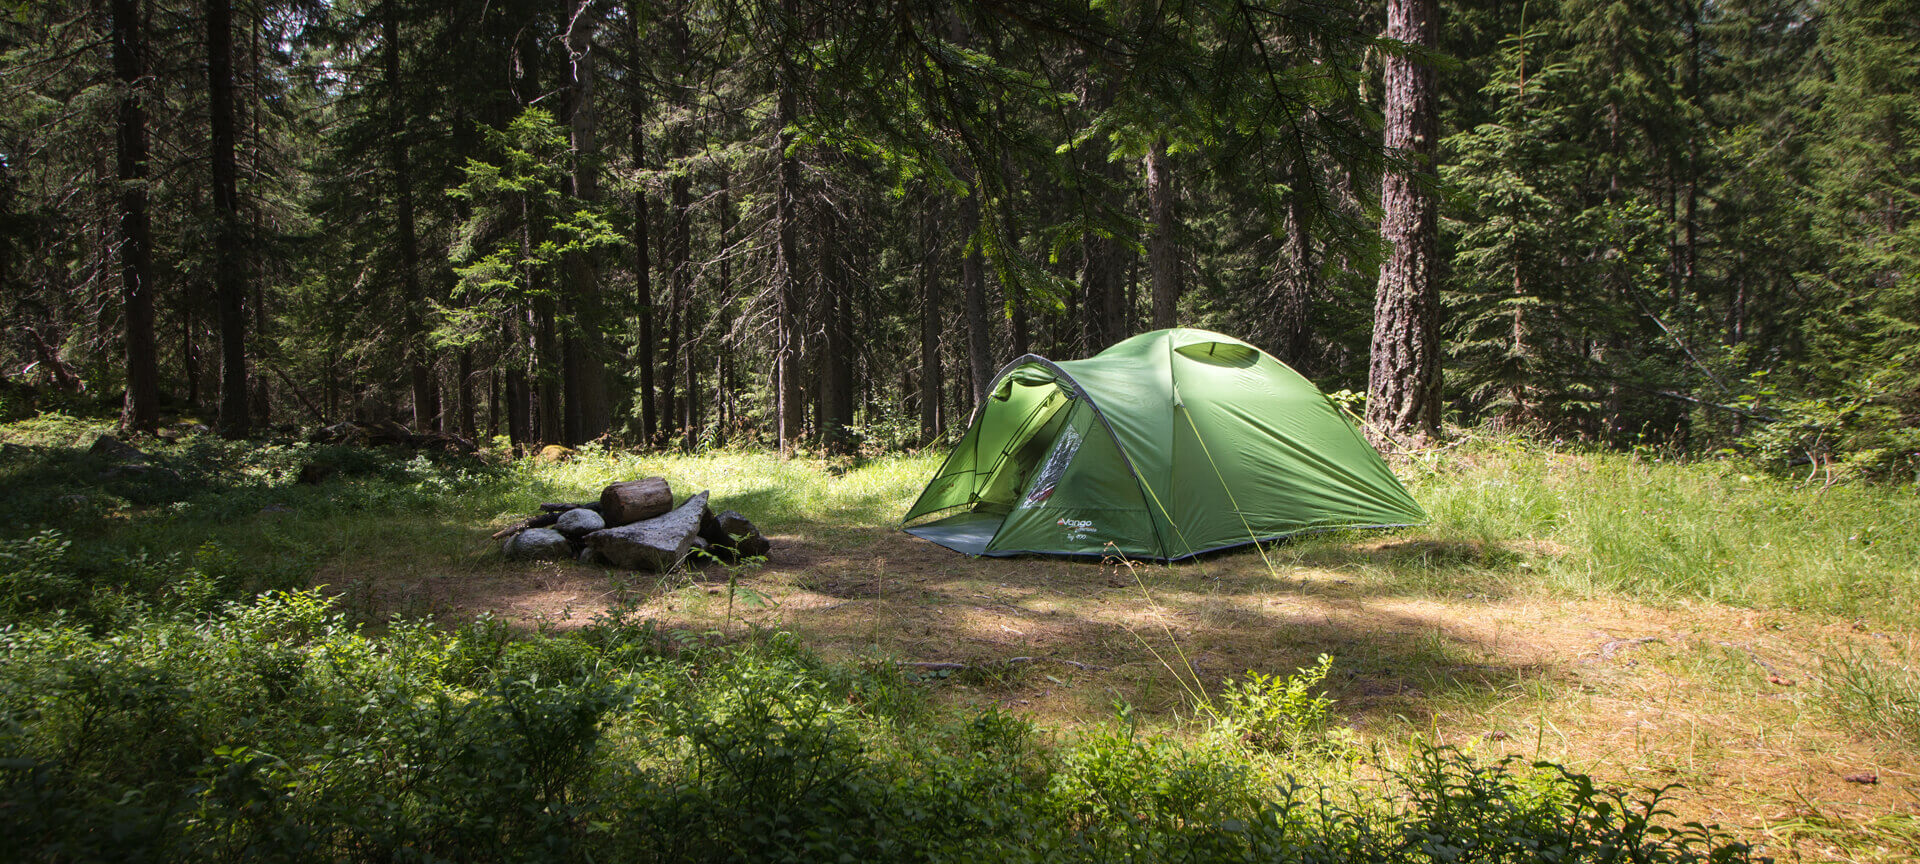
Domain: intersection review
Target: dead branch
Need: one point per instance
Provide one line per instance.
(949, 666)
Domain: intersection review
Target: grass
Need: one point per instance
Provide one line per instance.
(1646, 620)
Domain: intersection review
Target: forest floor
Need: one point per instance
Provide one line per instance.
(1478, 641)
(1722, 700)
(1751, 638)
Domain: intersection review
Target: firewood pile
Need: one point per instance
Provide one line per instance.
(635, 526)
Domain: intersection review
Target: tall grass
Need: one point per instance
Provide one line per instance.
(1657, 529)
(1874, 695)
(1507, 513)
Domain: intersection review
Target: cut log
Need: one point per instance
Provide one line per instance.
(655, 544)
(732, 536)
(634, 500)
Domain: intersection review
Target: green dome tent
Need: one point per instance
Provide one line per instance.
(1167, 445)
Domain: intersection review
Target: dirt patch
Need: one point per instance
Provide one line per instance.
(1637, 695)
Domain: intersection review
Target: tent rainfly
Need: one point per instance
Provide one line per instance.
(1164, 446)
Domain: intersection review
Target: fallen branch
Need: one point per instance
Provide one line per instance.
(540, 521)
(1755, 657)
(949, 666)
(1607, 650)
(562, 506)
(298, 394)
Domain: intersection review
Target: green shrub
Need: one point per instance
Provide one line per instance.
(1281, 714)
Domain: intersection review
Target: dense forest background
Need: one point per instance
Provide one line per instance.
(809, 224)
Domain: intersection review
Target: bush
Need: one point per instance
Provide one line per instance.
(275, 730)
(1281, 714)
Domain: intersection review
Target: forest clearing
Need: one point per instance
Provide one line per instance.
(1751, 639)
(489, 431)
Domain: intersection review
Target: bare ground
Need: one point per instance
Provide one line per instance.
(1721, 700)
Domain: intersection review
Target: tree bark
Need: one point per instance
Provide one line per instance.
(679, 272)
(634, 500)
(229, 271)
(589, 413)
(1293, 287)
(788, 408)
(930, 319)
(406, 237)
(463, 391)
(1162, 247)
(1403, 381)
(642, 260)
(723, 365)
(836, 367)
(140, 412)
(973, 286)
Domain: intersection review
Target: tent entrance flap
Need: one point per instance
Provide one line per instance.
(988, 469)
(968, 532)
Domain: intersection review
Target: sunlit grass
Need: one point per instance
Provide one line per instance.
(1660, 531)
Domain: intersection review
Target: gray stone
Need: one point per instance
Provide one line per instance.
(732, 536)
(590, 557)
(537, 544)
(579, 522)
(116, 449)
(656, 544)
(141, 472)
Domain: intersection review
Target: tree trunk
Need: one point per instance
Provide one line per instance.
(589, 413)
(679, 274)
(1162, 247)
(1403, 381)
(406, 238)
(836, 367)
(463, 392)
(189, 348)
(1293, 289)
(229, 273)
(930, 320)
(787, 408)
(642, 261)
(723, 368)
(140, 412)
(974, 287)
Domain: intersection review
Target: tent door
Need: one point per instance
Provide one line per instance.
(1005, 478)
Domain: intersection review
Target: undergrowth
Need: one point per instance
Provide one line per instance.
(169, 691)
(275, 730)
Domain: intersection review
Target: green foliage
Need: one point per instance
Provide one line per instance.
(1861, 429)
(275, 730)
(1466, 811)
(1651, 527)
(1281, 714)
(508, 252)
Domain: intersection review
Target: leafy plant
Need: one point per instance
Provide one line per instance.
(1282, 715)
